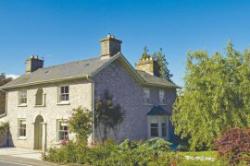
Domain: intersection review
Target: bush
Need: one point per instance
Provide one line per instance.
(151, 152)
(4, 128)
(182, 148)
(234, 145)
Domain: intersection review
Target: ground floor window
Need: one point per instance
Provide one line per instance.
(163, 130)
(62, 130)
(154, 130)
(22, 128)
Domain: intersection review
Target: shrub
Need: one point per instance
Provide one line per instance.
(157, 144)
(4, 128)
(234, 145)
(81, 124)
(182, 148)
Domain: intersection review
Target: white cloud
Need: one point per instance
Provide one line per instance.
(14, 76)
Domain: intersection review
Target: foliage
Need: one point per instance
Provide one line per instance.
(108, 153)
(145, 53)
(81, 124)
(234, 145)
(157, 144)
(216, 96)
(3, 80)
(4, 128)
(107, 115)
(163, 65)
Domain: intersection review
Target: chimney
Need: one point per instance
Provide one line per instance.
(149, 65)
(110, 46)
(33, 63)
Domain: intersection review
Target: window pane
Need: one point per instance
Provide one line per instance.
(22, 128)
(164, 129)
(62, 130)
(154, 130)
(22, 97)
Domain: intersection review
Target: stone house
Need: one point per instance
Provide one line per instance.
(39, 103)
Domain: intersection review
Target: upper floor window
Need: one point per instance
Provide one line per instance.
(162, 97)
(22, 97)
(62, 130)
(146, 95)
(39, 97)
(64, 93)
(22, 128)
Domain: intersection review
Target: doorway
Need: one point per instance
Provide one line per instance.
(38, 133)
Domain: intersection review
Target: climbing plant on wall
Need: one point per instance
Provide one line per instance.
(108, 116)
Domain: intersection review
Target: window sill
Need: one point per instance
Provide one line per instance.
(163, 104)
(22, 105)
(64, 103)
(39, 106)
(22, 138)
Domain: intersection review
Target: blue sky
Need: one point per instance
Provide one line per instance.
(68, 30)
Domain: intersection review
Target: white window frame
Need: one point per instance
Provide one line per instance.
(146, 95)
(162, 97)
(22, 98)
(64, 95)
(23, 122)
(58, 130)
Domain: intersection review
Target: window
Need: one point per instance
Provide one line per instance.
(64, 93)
(62, 130)
(163, 130)
(22, 128)
(22, 97)
(146, 95)
(154, 130)
(39, 97)
(162, 97)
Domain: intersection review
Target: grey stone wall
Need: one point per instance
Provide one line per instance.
(129, 94)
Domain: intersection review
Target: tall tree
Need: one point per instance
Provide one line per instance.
(145, 53)
(163, 64)
(3, 80)
(215, 96)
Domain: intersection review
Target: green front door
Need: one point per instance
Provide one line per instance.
(38, 137)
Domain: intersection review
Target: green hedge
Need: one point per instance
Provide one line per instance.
(154, 152)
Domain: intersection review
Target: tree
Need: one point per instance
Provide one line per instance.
(81, 124)
(107, 115)
(163, 65)
(215, 96)
(145, 53)
(3, 80)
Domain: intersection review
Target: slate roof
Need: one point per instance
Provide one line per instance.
(150, 79)
(78, 69)
(75, 69)
(158, 110)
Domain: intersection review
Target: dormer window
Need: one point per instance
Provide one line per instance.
(40, 97)
(64, 94)
(162, 97)
(22, 97)
(146, 95)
